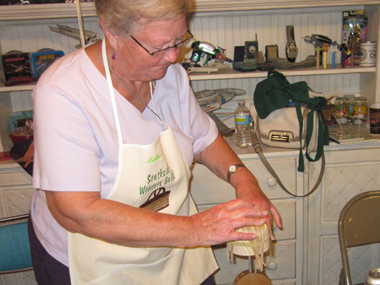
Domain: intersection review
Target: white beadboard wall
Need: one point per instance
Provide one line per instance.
(34, 35)
(234, 28)
(226, 29)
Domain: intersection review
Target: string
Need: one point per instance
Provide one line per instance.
(134, 93)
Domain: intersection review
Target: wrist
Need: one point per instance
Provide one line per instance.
(233, 169)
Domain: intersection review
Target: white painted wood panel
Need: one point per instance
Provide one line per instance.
(347, 174)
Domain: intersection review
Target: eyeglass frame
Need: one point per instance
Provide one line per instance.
(163, 49)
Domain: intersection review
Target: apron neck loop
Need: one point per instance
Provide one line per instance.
(113, 97)
(112, 92)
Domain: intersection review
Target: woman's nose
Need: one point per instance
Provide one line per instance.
(171, 54)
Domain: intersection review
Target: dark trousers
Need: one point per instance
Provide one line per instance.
(49, 271)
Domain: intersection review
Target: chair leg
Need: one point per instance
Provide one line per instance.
(342, 277)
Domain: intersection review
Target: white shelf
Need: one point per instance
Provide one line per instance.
(68, 10)
(20, 87)
(229, 73)
(243, 5)
(44, 11)
(9, 164)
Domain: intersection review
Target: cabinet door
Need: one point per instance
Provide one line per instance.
(16, 200)
(348, 173)
(15, 192)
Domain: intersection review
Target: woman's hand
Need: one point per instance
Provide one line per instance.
(247, 189)
(218, 224)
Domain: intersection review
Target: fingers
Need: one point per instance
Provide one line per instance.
(276, 216)
(247, 221)
(246, 208)
(236, 236)
(220, 223)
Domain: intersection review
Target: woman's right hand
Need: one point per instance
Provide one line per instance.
(218, 224)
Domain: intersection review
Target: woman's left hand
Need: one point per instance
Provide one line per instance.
(247, 189)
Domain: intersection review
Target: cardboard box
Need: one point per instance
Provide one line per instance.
(42, 59)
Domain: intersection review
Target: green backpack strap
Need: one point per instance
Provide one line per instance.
(323, 134)
(300, 95)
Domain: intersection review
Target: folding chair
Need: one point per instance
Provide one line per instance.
(14, 245)
(359, 224)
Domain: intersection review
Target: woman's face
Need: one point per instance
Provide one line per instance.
(135, 62)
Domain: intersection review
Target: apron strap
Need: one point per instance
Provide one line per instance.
(112, 93)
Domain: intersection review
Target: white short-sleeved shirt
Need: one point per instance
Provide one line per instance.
(76, 147)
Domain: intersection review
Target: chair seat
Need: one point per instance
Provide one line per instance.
(14, 248)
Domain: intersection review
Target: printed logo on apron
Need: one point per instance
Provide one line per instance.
(157, 187)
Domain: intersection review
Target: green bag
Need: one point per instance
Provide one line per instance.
(275, 92)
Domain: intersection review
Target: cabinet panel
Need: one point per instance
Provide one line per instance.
(16, 199)
(287, 210)
(344, 182)
(8, 178)
(362, 259)
(348, 173)
(286, 169)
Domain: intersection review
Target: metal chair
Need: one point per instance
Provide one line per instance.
(14, 245)
(359, 224)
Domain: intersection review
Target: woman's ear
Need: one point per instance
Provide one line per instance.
(108, 34)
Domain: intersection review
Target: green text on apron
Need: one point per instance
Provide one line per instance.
(153, 176)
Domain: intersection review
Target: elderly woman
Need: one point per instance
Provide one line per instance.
(117, 128)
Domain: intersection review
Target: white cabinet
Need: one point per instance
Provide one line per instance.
(306, 251)
(348, 173)
(285, 263)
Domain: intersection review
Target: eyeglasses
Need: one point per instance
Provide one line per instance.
(187, 37)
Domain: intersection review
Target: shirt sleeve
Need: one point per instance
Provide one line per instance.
(66, 153)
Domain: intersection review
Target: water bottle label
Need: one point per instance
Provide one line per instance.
(242, 119)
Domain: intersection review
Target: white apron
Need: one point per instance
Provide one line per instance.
(154, 176)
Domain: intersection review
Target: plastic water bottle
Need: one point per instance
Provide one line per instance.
(242, 125)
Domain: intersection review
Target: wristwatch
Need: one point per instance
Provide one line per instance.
(233, 168)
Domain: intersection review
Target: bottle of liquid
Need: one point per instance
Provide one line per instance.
(242, 125)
